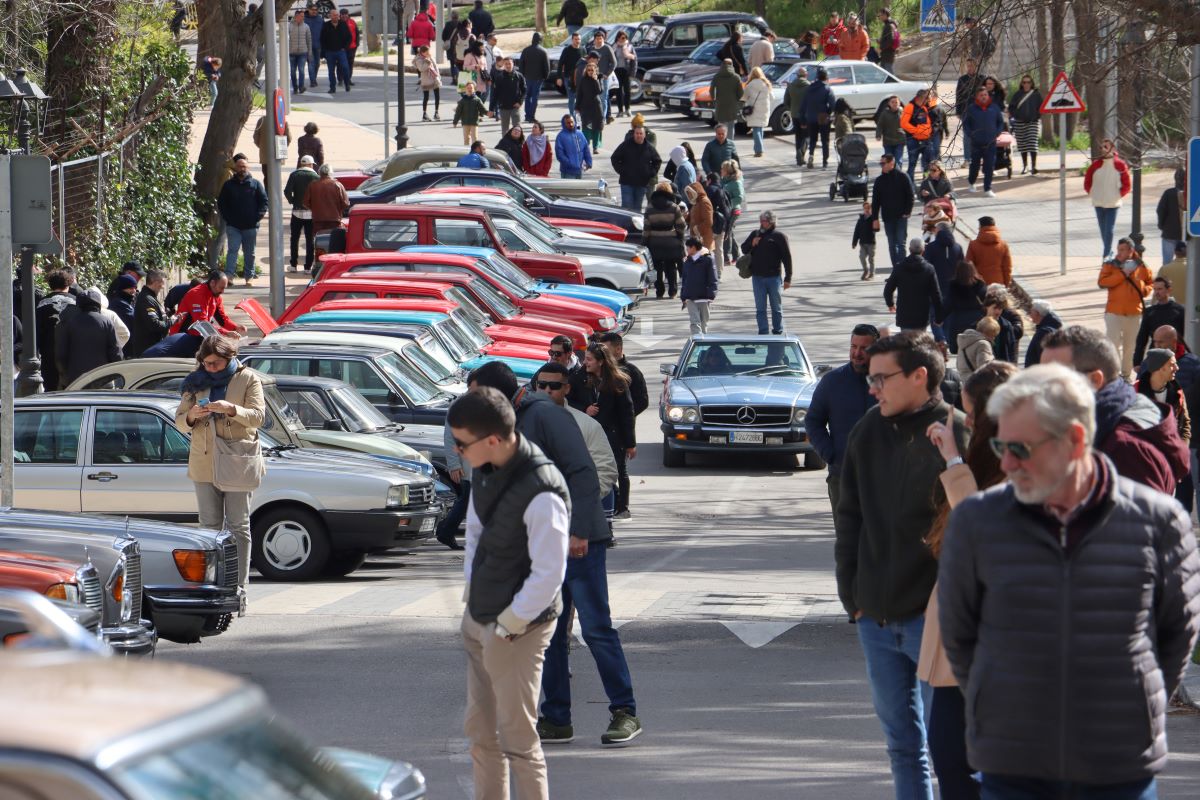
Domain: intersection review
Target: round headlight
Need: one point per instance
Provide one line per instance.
(799, 414)
(676, 78)
(638, 222)
(608, 323)
(691, 415)
(674, 413)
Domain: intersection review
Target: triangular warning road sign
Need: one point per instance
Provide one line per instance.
(1062, 98)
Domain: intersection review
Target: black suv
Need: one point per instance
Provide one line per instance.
(668, 40)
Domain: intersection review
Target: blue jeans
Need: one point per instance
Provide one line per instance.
(339, 69)
(1007, 787)
(987, 157)
(586, 587)
(768, 289)
(757, 133)
(916, 148)
(567, 173)
(604, 96)
(948, 744)
(900, 698)
(571, 104)
(533, 90)
(314, 66)
(458, 512)
(1168, 250)
(896, 151)
(632, 197)
(298, 61)
(1107, 218)
(240, 239)
(212, 93)
(896, 231)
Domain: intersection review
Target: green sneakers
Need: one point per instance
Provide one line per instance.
(623, 728)
(550, 733)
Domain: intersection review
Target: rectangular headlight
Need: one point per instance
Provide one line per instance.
(397, 496)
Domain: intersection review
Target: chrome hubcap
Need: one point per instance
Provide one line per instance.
(287, 545)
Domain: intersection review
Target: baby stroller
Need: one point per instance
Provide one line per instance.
(852, 173)
(1004, 146)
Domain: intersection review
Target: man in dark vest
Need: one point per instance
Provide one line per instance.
(516, 558)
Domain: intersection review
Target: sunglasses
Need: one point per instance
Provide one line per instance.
(1021, 451)
(556, 353)
(553, 386)
(463, 447)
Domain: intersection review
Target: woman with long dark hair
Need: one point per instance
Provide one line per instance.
(605, 398)
(964, 475)
(963, 305)
(1025, 115)
(511, 143)
(222, 399)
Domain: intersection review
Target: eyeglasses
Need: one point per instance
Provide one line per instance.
(877, 381)
(1021, 451)
(557, 353)
(215, 363)
(553, 386)
(464, 447)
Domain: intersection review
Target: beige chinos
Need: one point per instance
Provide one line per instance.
(503, 682)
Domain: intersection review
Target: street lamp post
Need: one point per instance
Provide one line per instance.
(29, 381)
(402, 39)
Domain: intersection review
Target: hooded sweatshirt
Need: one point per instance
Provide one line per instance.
(1140, 436)
(685, 173)
(572, 149)
(990, 255)
(535, 64)
(974, 350)
(918, 285)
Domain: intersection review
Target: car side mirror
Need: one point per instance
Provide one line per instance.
(821, 369)
(667, 369)
(334, 425)
(530, 202)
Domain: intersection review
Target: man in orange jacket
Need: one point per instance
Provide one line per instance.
(1129, 282)
(917, 123)
(854, 43)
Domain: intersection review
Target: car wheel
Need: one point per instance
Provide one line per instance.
(781, 122)
(345, 562)
(813, 461)
(636, 94)
(289, 544)
(672, 459)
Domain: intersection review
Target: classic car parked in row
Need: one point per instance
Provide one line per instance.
(116, 557)
(161, 731)
(31, 621)
(702, 64)
(668, 39)
(103, 452)
(730, 394)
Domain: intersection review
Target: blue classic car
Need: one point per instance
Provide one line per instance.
(738, 394)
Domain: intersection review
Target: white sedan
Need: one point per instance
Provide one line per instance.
(862, 84)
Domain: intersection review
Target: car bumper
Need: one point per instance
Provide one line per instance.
(625, 325)
(680, 104)
(697, 439)
(372, 530)
(703, 113)
(131, 638)
(187, 615)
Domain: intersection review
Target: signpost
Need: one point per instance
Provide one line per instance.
(1062, 99)
(937, 16)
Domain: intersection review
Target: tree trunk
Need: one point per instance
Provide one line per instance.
(1087, 79)
(1058, 61)
(79, 40)
(539, 16)
(209, 41)
(760, 7)
(1043, 67)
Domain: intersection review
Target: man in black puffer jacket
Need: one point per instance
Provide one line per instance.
(919, 292)
(892, 200)
(1069, 601)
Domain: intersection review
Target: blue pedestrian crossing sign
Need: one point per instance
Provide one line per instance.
(1193, 186)
(938, 16)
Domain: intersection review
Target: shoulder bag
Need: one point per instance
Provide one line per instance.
(743, 266)
(238, 465)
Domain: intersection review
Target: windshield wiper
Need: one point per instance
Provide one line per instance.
(772, 370)
(279, 448)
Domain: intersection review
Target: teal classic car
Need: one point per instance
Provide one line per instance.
(618, 302)
(417, 326)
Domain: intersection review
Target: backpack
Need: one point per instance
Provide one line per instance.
(895, 37)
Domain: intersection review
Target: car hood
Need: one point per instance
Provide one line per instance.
(145, 531)
(611, 299)
(579, 243)
(369, 443)
(588, 207)
(685, 87)
(595, 189)
(728, 389)
(312, 459)
(690, 71)
(524, 368)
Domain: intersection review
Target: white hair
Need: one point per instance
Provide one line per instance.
(916, 245)
(326, 170)
(1043, 307)
(1061, 397)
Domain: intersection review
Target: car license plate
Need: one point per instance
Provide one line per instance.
(745, 437)
(427, 524)
(675, 103)
(705, 113)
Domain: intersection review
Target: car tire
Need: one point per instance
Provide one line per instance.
(289, 543)
(813, 461)
(343, 563)
(673, 459)
(781, 122)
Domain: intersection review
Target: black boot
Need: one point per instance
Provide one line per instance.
(1033, 161)
(1024, 162)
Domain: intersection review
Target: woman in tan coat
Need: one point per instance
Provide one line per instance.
(223, 399)
(964, 476)
(700, 215)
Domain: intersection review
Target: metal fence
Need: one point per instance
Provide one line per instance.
(78, 188)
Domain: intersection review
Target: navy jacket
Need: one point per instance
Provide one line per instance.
(1033, 353)
(944, 253)
(242, 203)
(838, 403)
(983, 125)
(699, 278)
(818, 99)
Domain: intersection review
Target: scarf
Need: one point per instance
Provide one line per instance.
(217, 383)
(537, 146)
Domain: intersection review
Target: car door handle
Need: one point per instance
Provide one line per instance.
(103, 477)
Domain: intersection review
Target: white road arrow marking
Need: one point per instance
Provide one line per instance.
(645, 336)
(756, 634)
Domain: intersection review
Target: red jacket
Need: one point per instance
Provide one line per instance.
(421, 31)
(201, 305)
(353, 26)
(541, 168)
(830, 36)
(1142, 439)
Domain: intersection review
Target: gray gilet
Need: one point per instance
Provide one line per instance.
(501, 562)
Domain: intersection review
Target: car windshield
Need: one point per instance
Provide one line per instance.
(495, 299)
(415, 385)
(468, 328)
(649, 36)
(746, 358)
(517, 237)
(774, 71)
(358, 414)
(289, 416)
(431, 357)
(508, 272)
(532, 221)
(456, 344)
(384, 187)
(468, 305)
(258, 759)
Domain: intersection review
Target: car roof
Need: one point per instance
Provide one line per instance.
(308, 349)
(463, 250)
(311, 380)
(407, 255)
(101, 398)
(452, 211)
(347, 278)
(696, 16)
(387, 345)
(101, 709)
(728, 338)
(344, 314)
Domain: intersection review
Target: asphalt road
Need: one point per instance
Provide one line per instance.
(748, 679)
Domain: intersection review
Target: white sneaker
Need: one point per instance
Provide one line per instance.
(971, 188)
(989, 193)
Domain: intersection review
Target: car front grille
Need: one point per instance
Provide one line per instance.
(747, 416)
(91, 589)
(420, 495)
(133, 578)
(229, 563)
